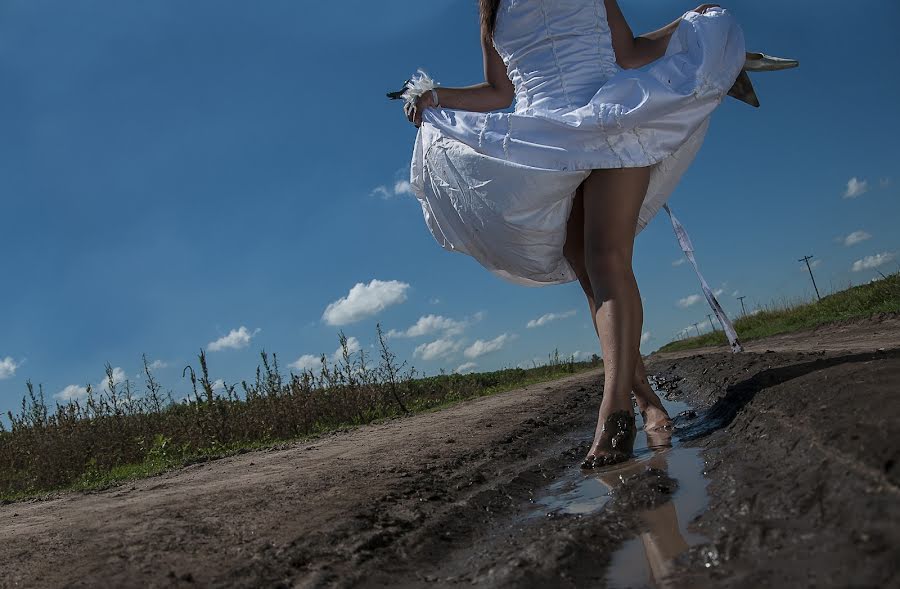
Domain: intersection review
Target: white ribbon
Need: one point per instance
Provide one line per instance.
(688, 249)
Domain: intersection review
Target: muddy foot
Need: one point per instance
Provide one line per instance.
(614, 442)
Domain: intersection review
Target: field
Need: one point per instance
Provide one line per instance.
(121, 433)
(880, 296)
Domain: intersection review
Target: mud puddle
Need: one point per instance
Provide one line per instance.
(643, 561)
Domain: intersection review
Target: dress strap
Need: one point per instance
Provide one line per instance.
(688, 249)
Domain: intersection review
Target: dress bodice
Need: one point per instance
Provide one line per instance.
(558, 53)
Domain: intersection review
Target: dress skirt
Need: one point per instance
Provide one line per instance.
(499, 186)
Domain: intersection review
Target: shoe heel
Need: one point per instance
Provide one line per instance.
(743, 90)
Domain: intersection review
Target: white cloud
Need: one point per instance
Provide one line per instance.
(365, 300)
(645, 337)
(578, 355)
(8, 367)
(118, 377)
(717, 292)
(691, 330)
(870, 262)
(400, 187)
(428, 324)
(437, 349)
(352, 348)
(481, 347)
(306, 362)
(856, 237)
(381, 191)
(73, 392)
(689, 300)
(235, 340)
(735, 293)
(311, 362)
(885, 182)
(754, 311)
(856, 187)
(547, 318)
(679, 261)
(467, 367)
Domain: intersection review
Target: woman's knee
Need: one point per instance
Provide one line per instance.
(608, 260)
(610, 273)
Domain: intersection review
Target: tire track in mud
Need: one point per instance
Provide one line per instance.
(426, 532)
(802, 458)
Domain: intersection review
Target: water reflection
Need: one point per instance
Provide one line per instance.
(648, 560)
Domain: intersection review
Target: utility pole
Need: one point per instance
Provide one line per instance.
(806, 259)
(709, 317)
(741, 299)
(697, 328)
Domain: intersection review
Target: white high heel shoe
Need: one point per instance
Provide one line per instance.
(760, 62)
(757, 62)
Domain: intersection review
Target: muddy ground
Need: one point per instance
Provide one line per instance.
(799, 436)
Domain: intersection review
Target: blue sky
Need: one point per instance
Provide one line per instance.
(186, 175)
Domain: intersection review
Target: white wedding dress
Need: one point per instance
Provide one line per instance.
(499, 186)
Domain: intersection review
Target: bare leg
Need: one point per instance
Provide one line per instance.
(612, 199)
(649, 404)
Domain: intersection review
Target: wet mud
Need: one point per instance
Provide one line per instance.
(801, 452)
(782, 471)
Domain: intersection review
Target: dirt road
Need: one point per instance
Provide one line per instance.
(799, 445)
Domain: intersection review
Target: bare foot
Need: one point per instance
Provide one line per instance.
(652, 411)
(614, 441)
(656, 418)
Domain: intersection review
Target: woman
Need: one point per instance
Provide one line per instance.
(557, 190)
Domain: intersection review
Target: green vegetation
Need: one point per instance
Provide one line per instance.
(120, 433)
(880, 296)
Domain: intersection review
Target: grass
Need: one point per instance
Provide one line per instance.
(119, 433)
(880, 296)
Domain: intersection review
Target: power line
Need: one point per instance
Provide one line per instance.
(709, 318)
(741, 299)
(697, 328)
(806, 259)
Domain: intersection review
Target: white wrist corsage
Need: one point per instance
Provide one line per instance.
(418, 85)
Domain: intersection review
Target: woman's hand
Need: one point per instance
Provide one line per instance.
(496, 92)
(414, 112)
(704, 7)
